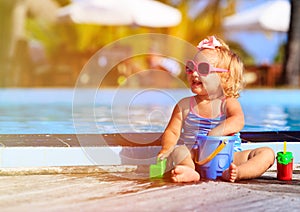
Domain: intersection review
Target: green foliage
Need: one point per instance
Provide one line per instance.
(44, 33)
(279, 58)
(63, 2)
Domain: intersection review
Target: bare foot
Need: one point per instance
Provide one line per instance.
(184, 174)
(231, 174)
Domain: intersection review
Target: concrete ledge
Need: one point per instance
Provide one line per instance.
(105, 149)
(100, 156)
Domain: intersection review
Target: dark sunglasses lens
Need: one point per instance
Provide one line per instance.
(203, 68)
(189, 67)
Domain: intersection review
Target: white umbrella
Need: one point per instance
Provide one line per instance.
(270, 16)
(147, 13)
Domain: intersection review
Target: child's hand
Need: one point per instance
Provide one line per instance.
(164, 153)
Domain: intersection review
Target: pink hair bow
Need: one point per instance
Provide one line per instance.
(210, 43)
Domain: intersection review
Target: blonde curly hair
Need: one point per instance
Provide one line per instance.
(232, 81)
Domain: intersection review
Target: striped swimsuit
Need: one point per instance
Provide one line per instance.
(195, 124)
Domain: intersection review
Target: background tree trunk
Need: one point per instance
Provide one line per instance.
(291, 72)
(6, 38)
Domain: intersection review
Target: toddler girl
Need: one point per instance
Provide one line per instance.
(215, 76)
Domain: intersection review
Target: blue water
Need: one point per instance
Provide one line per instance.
(63, 111)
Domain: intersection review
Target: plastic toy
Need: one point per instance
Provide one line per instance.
(213, 155)
(157, 170)
(284, 164)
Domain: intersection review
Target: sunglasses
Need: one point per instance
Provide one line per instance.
(202, 68)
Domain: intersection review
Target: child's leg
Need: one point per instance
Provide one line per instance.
(184, 170)
(249, 164)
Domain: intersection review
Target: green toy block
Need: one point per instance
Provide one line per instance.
(157, 170)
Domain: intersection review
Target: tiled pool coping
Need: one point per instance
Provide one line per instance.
(42, 150)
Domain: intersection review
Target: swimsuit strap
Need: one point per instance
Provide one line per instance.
(192, 103)
(223, 103)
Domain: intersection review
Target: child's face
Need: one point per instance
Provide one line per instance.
(209, 84)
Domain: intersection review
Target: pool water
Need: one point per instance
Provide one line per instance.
(53, 111)
(271, 110)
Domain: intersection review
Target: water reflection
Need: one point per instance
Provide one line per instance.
(271, 118)
(54, 114)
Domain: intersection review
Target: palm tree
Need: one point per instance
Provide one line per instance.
(291, 72)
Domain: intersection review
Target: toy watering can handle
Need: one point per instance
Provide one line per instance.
(212, 155)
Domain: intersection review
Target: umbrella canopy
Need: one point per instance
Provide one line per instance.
(270, 16)
(148, 13)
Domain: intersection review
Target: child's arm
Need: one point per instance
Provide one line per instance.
(171, 133)
(234, 121)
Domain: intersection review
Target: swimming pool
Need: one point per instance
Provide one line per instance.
(53, 111)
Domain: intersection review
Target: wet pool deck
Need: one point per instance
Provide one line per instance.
(122, 187)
